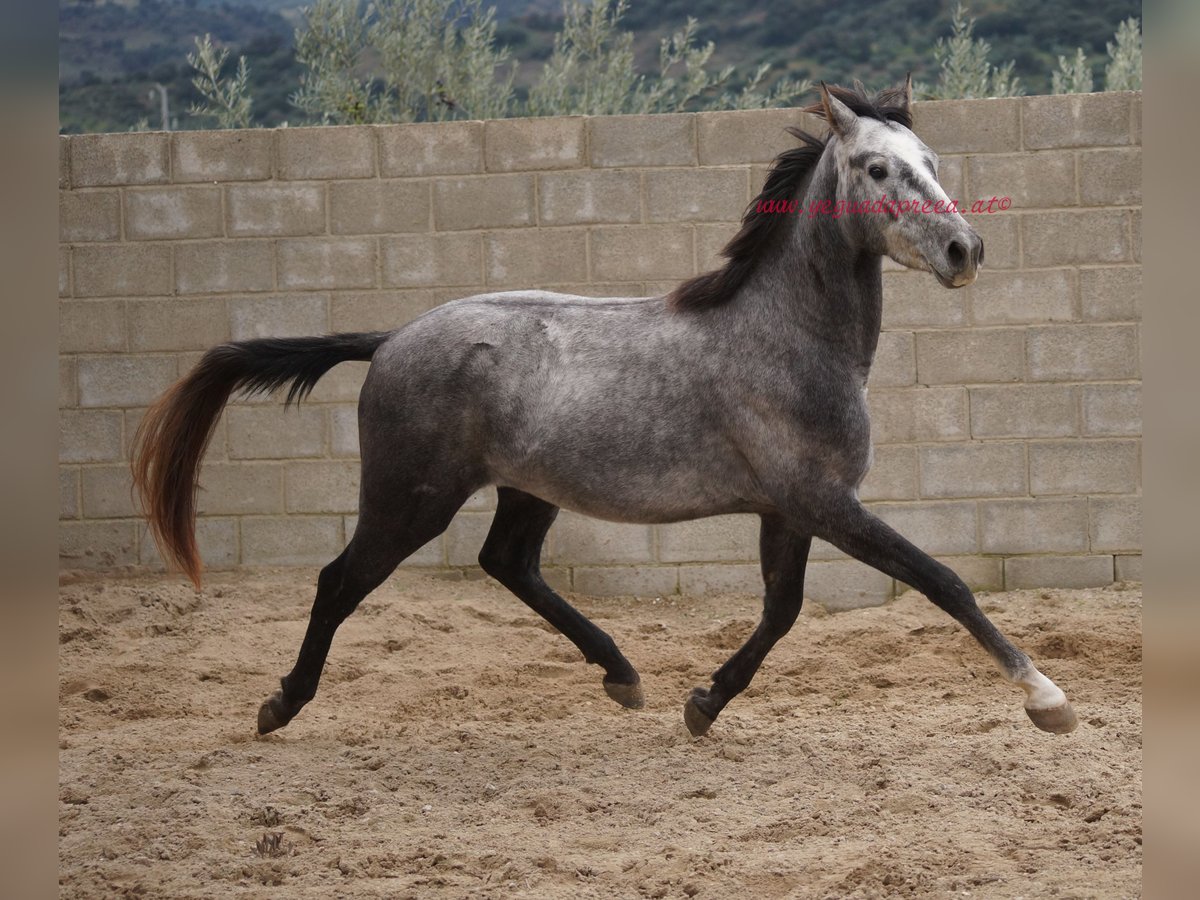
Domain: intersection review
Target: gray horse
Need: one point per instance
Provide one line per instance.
(741, 391)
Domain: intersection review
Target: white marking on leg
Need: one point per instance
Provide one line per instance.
(1041, 692)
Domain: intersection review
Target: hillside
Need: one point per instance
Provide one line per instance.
(112, 51)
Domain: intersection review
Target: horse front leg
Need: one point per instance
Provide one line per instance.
(845, 523)
(784, 556)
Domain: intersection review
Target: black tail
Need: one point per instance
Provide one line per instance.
(175, 431)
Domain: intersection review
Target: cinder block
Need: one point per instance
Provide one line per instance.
(346, 151)
(651, 140)
(378, 310)
(624, 252)
(1010, 298)
(237, 489)
(216, 539)
(534, 258)
(66, 382)
(89, 216)
(68, 493)
(737, 137)
(278, 315)
(1112, 409)
(626, 581)
(486, 201)
(1083, 352)
(97, 545)
(1001, 243)
(845, 584)
(104, 159)
(316, 263)
(124, 380)
(710, 241)
(969, 126)
(1115, 523)
(893, 475)
(727, 578)
(121, 270)
(321, 487)
(1084, 467)
(1076, 120)
(951, 175)
(895, 363)
(173, 212)
(716, 539)
(91, 326)
(64, 162)
(1050, 525)
(291, 540)
(86, 435)
(520, 145)
(465, 536)
(343, 427)
(938, 528)
(1030, 180)
(582, 540)
(569, 198)
(1110, 177)
(1023, 410)
(108, 492)
(904, 415)
(221, 267)
(176, 324)
(1075, 238)
(1129, 568)
(420, 260)
(379, 207)
(1057, 571)
(64, 271)
(915, 299)
(275, 432)
(431, 148)
(269, 210)
(975, 469)
(1111, 293)
(970, 357)
(696, 195)
(243, 155)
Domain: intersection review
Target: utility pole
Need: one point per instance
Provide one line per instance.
(166, 112)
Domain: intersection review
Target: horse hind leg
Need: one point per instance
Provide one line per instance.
(511, 555)
(382, 540)
(784, 556)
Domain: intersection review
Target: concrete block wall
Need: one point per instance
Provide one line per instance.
(1006, 415)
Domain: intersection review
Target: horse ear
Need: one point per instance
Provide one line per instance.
(840, 117)
(906, 93)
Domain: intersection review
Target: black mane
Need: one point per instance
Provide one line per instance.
(787, 171)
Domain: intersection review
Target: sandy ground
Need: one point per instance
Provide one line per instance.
(458, 748)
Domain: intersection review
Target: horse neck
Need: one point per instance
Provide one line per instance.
(814, 279)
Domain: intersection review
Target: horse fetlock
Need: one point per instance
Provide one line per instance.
(628, 694)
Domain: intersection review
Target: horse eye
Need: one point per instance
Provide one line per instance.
(877, 172)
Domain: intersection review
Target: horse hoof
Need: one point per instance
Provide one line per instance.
(1058, 720)
(697, 720)
(628, 695)
(272, 714)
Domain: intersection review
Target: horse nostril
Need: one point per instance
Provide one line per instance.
(957, 254)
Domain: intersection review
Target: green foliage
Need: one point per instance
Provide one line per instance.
(1124, 69)
(225, 99)
(964, 70)
(1073, 76)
